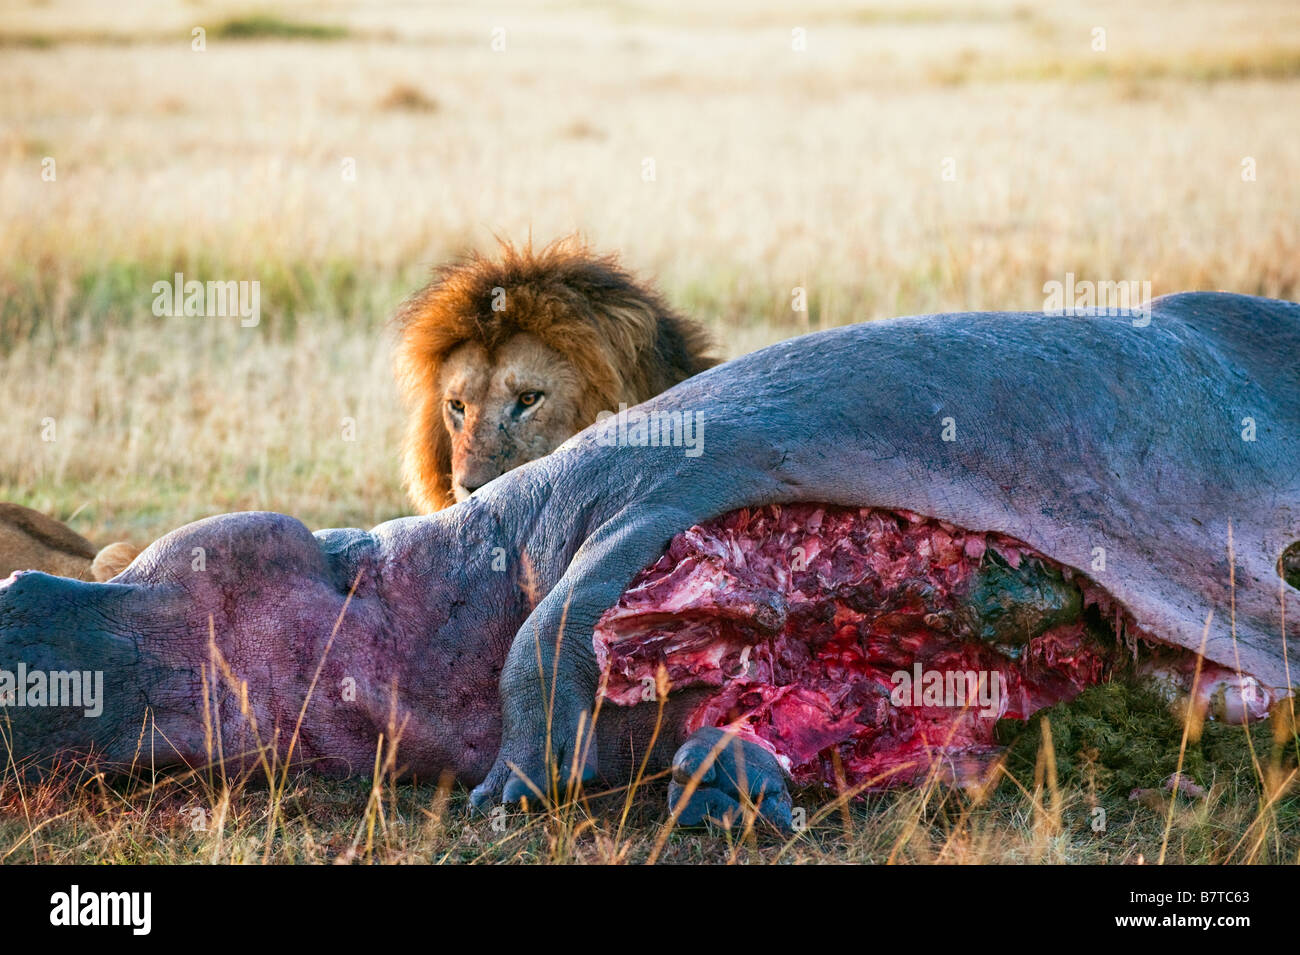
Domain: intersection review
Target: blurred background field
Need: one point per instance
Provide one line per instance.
(774, 168)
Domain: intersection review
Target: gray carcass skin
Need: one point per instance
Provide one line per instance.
(1069, 433)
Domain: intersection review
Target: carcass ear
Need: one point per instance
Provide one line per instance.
(1288, 565)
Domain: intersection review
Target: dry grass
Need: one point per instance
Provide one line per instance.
(406, 96)
(76, 816)
(773, 169)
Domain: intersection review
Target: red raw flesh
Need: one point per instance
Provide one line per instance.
(801, 659)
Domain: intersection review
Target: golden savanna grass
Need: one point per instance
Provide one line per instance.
(773, 169)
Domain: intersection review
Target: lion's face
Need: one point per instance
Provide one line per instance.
(505, 409)
(501, 360)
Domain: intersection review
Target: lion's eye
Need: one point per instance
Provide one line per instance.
(530, 398)
(456, 405)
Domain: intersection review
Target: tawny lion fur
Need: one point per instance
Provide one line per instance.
(30, 540)
(626, 343)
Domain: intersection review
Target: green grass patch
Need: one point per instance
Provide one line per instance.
(265, 26)
(26, 41)
(1267, 63)
(1118, 737)
(931, 15)
(88, 297)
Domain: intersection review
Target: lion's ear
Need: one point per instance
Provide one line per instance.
(426, 457)
(112, 560)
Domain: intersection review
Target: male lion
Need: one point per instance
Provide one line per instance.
(501, 360)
